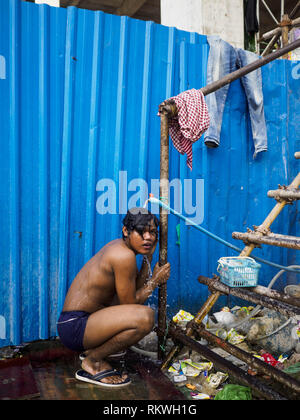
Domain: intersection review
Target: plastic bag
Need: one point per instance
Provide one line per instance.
(234, 392)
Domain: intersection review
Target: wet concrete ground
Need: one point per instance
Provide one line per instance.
(46, 372)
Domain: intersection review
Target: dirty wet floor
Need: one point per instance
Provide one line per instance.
(46, 372)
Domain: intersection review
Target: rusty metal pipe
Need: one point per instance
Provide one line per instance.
(252, 361)
(169, 107)
(274, 294)
(163, 237)
(274, 239)
(249, 68)
(248, 295)
(224, 365)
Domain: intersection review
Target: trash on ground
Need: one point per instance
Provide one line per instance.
(200, 396)
(234, 392)
(198, 375)
(182, 318)
(216, 379)
(273, 331)
(179, 378)
(234, 337)
(190, 368)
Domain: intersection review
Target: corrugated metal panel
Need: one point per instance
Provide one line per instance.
(79, 97)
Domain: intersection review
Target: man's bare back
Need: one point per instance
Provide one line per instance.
(94, 286)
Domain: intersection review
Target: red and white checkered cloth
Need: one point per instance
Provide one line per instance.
(191, 123)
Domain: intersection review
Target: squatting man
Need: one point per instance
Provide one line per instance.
(103, 313)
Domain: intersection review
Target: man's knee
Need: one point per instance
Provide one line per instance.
(146, 319)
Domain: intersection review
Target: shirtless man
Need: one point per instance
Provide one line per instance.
(103, 311)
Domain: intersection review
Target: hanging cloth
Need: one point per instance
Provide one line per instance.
(192, 121)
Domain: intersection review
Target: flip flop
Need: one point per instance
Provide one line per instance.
(82, 356)
(117, 355)
(82, 375)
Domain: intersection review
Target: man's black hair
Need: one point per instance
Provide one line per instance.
(139, 217)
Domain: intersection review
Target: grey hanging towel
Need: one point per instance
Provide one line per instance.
(251, 17)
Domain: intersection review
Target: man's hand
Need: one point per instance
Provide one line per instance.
(161, 274)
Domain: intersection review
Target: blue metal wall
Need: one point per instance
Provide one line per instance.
(79, 94)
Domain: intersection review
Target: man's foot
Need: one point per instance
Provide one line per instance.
(101, 367)
(100, 377)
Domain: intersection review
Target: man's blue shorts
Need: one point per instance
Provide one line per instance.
(70, 327)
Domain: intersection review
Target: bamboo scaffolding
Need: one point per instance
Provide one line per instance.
(270, 45)
(284, 193)
(281, 31)
(277, 31)
(295, 10)
(274, 239)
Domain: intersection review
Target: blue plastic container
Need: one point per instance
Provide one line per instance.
(238, 271)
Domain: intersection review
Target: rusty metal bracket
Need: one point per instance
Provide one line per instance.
(249, 294)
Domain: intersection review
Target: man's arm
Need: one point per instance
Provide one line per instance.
(125, 272)
(159, 277)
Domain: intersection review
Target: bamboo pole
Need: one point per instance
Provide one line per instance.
(277, 31)
(284, 193)
(295, 10)
(274, 239)
(285, 32)
(270, 45)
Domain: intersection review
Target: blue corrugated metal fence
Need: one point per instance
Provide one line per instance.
(79, 95)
